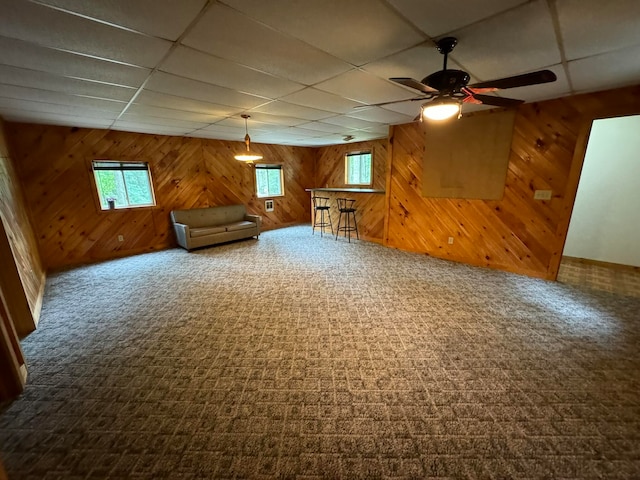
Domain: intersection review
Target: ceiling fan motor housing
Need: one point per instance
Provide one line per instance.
(447, 81)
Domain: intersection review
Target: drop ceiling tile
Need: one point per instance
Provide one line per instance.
(609, 70)
(350, 122)
(325, 141)
(173, 102)
(229, 34)
(520, 40)
(53, 108)
(411, 109)
(289, 109)
(196, 65)
(158, 18)
(590, 28)
(57, 98)
(150, 129)
(52, 28)
(364, 87)
(23, 116)
(25, 55)
(380, 115)
(223, 132)
(275, 119)
(47, 81)
(437, 17)
(184, 87)
(152, 120)
(211, 135)
(151, 111)
(357, 31)
(314, 98)
(322, 128)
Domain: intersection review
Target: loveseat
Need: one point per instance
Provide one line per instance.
(200, 227)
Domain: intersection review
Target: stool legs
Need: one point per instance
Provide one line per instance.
(323, 223)
(321, 204)
(345, 207)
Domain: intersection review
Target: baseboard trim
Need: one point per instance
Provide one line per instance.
(613, 266)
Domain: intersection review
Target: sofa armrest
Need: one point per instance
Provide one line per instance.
(254, 218)
(182, 234)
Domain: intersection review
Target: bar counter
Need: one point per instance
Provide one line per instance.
(369, 208)
(348, 190)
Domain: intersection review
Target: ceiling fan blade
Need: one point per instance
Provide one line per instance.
(533, 78)
(497, 101)
(410, 82)
(390, 103)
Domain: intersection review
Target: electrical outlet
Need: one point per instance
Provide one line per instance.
(542, 195)
(120, 238)
(450, 241)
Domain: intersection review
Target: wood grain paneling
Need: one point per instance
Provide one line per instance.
(23, 252)
(517, 234)
(54, 165)
(330, 172)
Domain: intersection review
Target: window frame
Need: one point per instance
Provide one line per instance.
(264, 166)
(346, 167)
(138, 165)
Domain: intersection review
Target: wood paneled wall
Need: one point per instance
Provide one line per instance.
(517, 233)
(22, 256)
(330, 172)
(54, 166)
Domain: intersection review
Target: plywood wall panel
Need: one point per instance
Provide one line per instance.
(517, 233)
(54, 166)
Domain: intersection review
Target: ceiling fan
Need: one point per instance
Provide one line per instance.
(449, 89)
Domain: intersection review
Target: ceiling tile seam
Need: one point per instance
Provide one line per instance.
(171, 49)
(58, 75)
(553, 10)
(73, 52)
(286, 34)
(94, 19)
(454, 33)
(408, 22)
(60, 93)
(239, 107)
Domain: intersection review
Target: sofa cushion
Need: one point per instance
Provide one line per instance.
(210, 216)
(202, 231)
(240, 226)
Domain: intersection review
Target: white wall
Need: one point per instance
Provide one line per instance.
(605, 224)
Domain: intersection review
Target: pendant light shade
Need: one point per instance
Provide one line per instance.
(247, 155)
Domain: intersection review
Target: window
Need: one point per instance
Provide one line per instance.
(269, 181)
(358, 168)
(123, 184)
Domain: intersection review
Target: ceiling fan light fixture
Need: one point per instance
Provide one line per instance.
(247, 155)
(442, 109)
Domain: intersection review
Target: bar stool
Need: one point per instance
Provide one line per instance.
(321, 204)
(345, 207)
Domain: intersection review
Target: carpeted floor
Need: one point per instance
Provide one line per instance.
(299, 357)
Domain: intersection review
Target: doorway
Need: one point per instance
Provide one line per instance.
(602, 250)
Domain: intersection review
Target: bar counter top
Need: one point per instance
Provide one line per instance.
(348, 190)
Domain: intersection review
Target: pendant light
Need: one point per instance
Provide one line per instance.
(247, 155)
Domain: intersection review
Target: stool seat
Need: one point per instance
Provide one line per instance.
(321, 204)
(345, 207)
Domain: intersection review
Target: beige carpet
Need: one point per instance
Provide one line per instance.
(299, 357)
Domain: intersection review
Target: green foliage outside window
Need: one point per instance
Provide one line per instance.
(126, 184)
(269, 181)
(358, 168)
